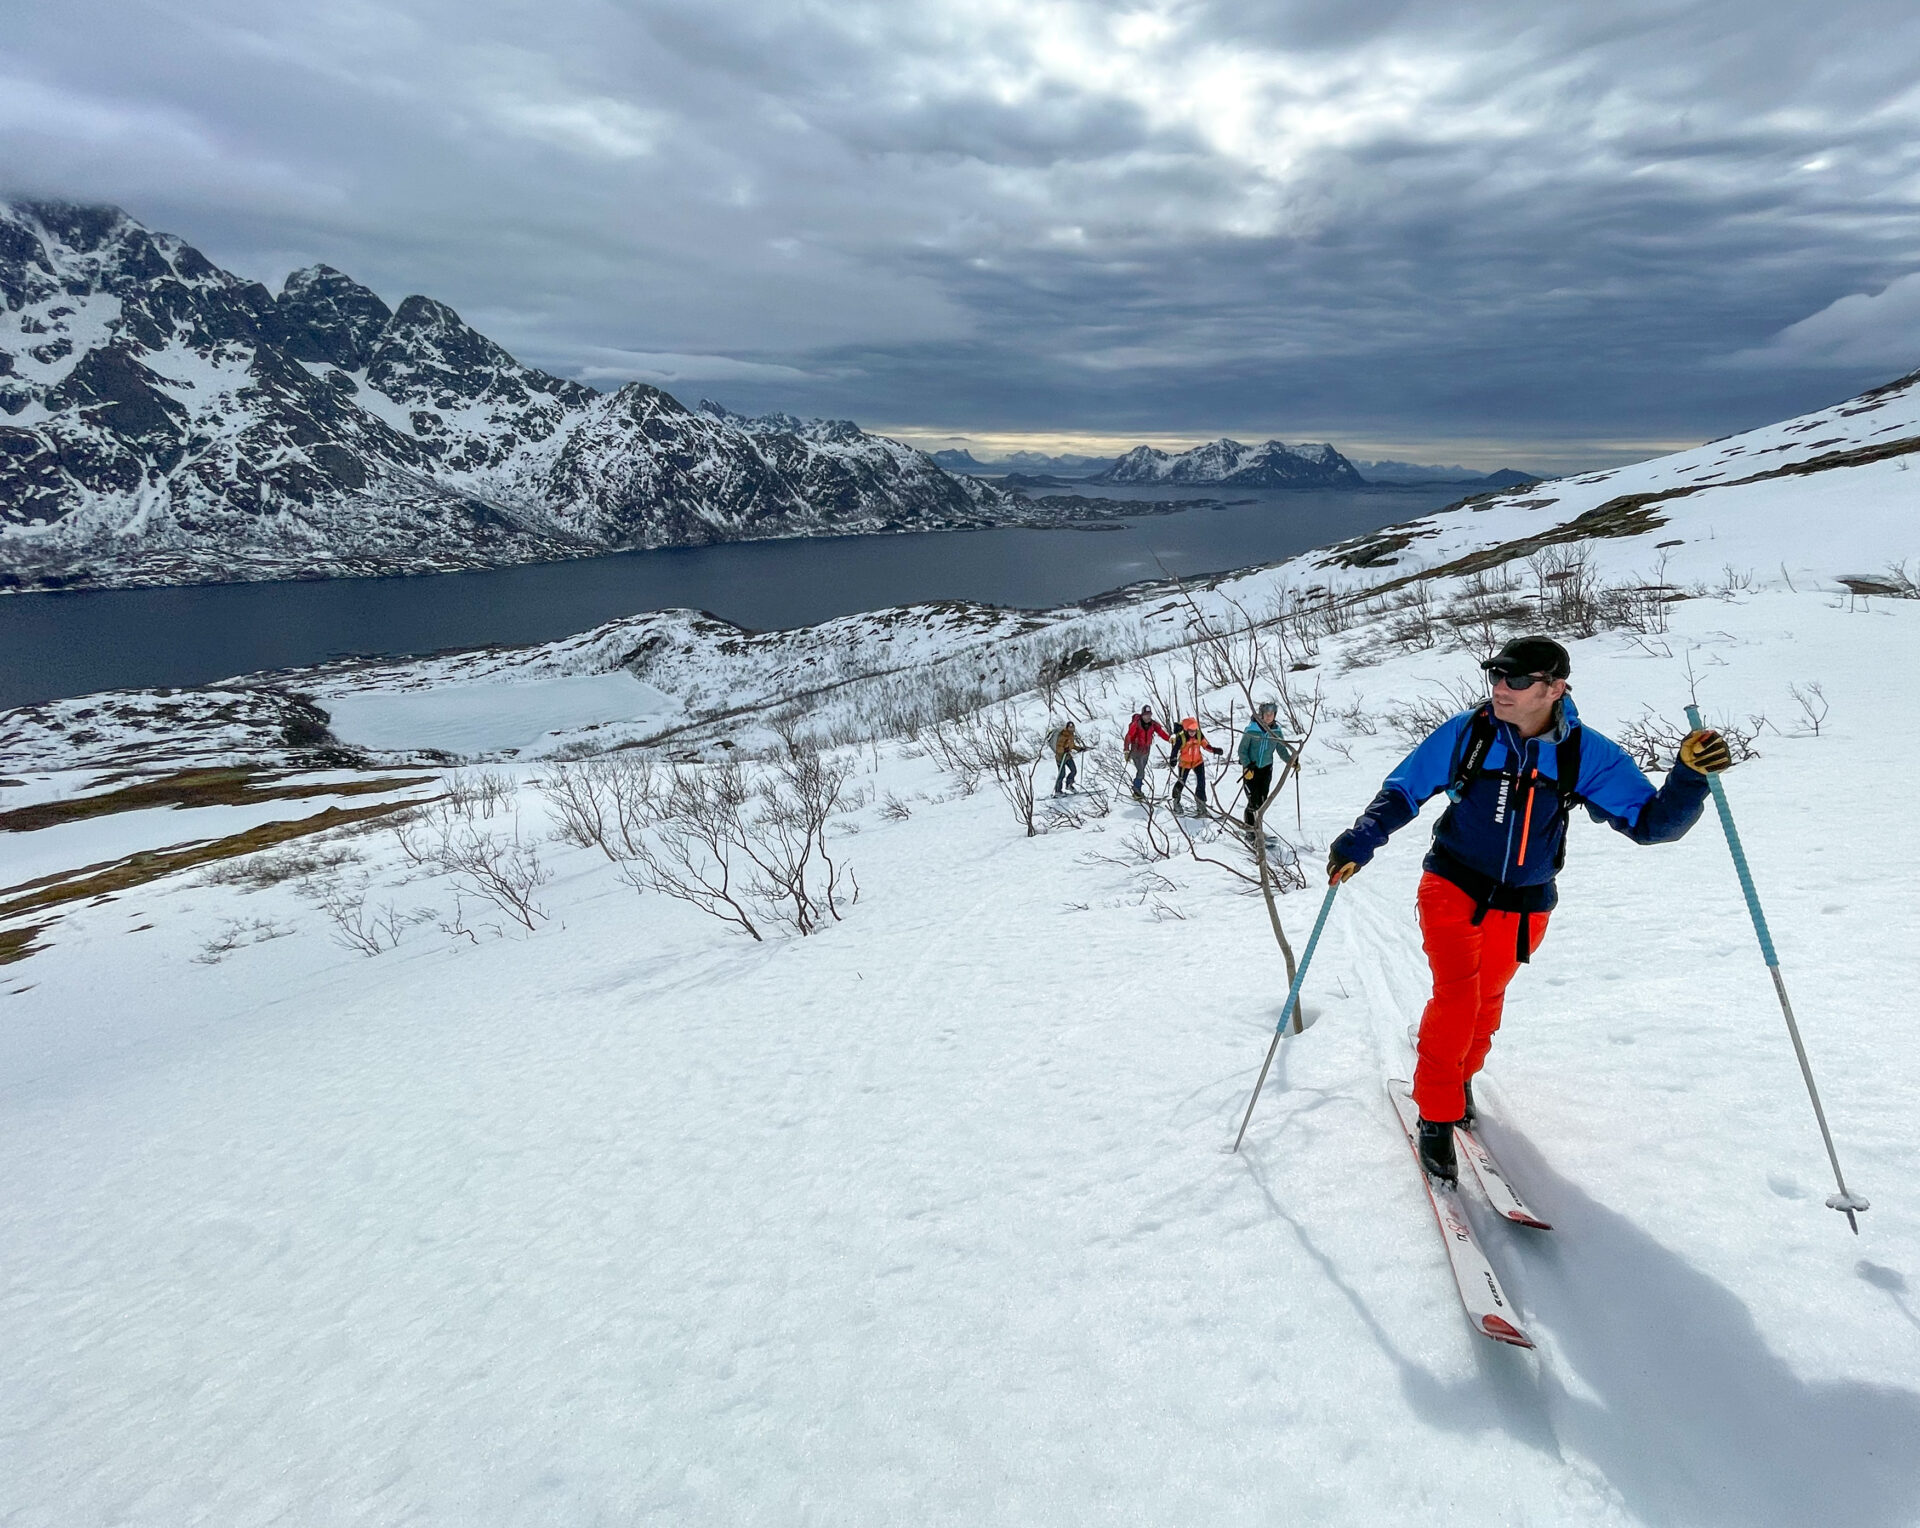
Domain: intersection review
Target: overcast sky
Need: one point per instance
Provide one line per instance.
(1493, 231)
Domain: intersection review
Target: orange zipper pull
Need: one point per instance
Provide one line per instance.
(1526, 816)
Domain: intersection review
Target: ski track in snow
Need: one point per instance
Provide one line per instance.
(931, 1218)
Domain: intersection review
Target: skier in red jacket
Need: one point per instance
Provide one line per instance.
(1141, 732)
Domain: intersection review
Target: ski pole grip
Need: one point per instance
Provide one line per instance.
(1739, 854)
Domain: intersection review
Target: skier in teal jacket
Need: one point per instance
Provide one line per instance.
(1258, 745)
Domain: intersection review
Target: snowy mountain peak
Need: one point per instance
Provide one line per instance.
(328, 318)
(825, 431)
(1272, 465)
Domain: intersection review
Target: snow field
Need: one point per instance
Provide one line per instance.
(930, 1217)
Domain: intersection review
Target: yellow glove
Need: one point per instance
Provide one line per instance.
(1339, 870)
(1706, 751)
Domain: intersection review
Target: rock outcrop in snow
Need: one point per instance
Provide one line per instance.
(1229, 462)
(164, 421)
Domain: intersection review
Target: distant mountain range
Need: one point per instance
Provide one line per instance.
(1229, 463)
(1413, 472)
(1224, 461)
(165, 421)
(1035, 463)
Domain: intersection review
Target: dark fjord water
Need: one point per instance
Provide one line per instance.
(54, 645)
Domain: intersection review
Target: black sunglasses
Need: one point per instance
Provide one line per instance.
(1522, 681)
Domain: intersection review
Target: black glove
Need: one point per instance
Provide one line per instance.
(1346, 856)
(1706, 751)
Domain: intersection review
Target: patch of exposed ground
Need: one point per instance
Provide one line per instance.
(18, 943)
(195, 787)
(152, 864)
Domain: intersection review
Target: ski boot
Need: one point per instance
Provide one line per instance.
(1436, 1152)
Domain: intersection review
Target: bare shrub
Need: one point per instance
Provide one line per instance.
(235, 932)
(1812, 700)
(993, 746)
(579, 804)
(694, 851)
(1152, 840)
(893, 809)
(1566, 589)
(1488, 605)
(604, 803)
(478, 793)
(256, 872)
(1297, 618)
(1416, 621)
(357, 923)
(1355, 718)
(1899, 583)
(796, 872)
(751, 853)
(413, 834)
(502, 868)
(1414, 718)
(1641, 608)
(1653, 741)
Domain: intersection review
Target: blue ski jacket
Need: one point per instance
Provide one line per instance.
(1258, 746)
(1504, 837)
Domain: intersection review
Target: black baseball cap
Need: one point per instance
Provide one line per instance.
(1531, 655)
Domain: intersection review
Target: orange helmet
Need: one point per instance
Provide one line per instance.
(1189, 723)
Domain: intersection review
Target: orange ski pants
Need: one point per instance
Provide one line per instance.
(1471, 968)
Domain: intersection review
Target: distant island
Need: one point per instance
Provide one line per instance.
(1224, 462)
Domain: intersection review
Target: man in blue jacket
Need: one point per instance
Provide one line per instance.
(1514, 769)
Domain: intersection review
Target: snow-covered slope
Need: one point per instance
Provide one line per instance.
(162, 421)
(629, 1218)
(1273, 465)
(1832, 493)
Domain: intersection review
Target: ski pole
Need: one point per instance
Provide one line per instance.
(1845, 1201)
(1293, 996)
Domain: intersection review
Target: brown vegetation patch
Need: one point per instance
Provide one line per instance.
(1379, 548)
(152, 864)
(17, 943)
(195, 787)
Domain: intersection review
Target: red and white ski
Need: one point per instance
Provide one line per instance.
(1487, 1305)
(1494, 1183)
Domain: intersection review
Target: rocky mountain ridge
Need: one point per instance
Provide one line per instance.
(1411, 473)
(1273, 464)
(1039, 462)
(165, 421)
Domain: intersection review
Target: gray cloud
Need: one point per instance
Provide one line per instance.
(1544, 230)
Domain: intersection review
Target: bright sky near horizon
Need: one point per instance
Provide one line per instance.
(1480, 230)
